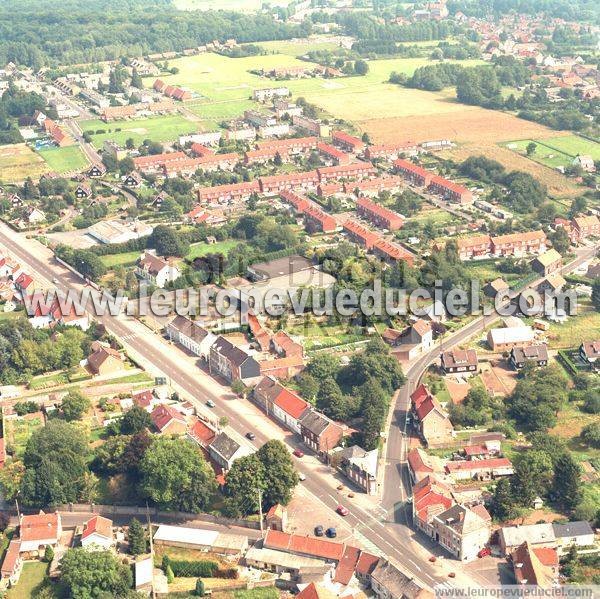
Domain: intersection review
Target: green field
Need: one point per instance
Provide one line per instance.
(161, 129)
(298, 47)
(32, 577)
(202, 248)
(64, 160)
(223, 81)
(555, 152)
(124, 259)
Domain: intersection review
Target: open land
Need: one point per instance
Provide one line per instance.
(17, 162)
(64, 160)
(160, 128)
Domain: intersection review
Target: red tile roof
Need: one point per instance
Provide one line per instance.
(143, 399)
(39, 527)
(312, 546)
(346, 566)
(11, 558)
(348, 139)
(291, 403)
(479, 464)
(202, 433)
(379, 210)
(98, 525)
(163, 415)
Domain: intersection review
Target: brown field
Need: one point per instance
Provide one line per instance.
(17, 162)
(478, 131)
(558, 185)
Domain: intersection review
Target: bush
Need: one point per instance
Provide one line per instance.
(48, 554)
(199, 588)
(170, 575)
(231, 573)
(187, 569)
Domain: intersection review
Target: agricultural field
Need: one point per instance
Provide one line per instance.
(555, 152)
(64, 160)
(299, 47)
(17, 162)
(160, 128)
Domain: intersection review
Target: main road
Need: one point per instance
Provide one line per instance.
(396, 470)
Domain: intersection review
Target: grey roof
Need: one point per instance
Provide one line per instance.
(233, 353)
(281, 266)
(315, 422)
(534, 533)
(531, 352)
(188, 328)
(572, 529)
(269, 388)
(398, 584)
(224, 445)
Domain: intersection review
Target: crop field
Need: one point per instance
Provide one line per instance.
(555, 152)
(64, 160)
(160, 128)
(17, 162)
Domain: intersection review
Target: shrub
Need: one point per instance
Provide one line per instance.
(170, 575)
(199, 569)
(48, 554)
(227, 573)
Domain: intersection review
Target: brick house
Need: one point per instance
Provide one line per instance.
(459, 360)
(319, 433)
(414, 173)
(547, 263)
(379, 215)
(347, 142)
(281, 403)
(430, 420)
(168, 420)
(231, 362)
(537, 354)
(451, 191)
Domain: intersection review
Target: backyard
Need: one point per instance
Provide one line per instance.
(17, 162)
(18, 430)
(32, 577)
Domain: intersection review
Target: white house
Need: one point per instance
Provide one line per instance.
(39, 530)
(158, 271)
(578, 534)
(97, 534)
(191, 335)
(224, 450)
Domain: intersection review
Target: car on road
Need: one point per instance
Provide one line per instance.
(210, 403)
(55, 281)
(342, 511)
(301, 476)
(485, 552)
(331, 532)
(319, 531)
(250, 436)
(298, 453)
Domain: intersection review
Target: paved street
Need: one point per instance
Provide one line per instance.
(384, 528)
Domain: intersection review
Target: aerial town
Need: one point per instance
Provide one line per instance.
(303, 152)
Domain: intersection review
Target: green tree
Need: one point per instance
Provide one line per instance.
(175, 476)
(91, 574)
(135, 420)
(199, 589)
(136, 536)
(502, 504)
(361, 67)
(11, 476)
(280, 474)
(48, 554)
(531, 148)
(244, 481)
(590, 434)
(533, 476)
(168, 242)
(566, 484)
(136, 80)
(560, 240)
(74, 405)
(55, 461)
(596, 294)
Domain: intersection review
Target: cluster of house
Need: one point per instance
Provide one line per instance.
(301, 71)
(511, 244)
(15, 283)
(580, 227)
(171, 91)
(436, 184)
(138, 110)
(52, 130)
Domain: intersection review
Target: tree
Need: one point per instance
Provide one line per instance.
(48, 554)
(238, 387)
(55, 461)
(533, 476)
(531, 148)
(244, 481)
(134, 453)
(331, 400)
(168, 242)
(90, 574)
(10, 479)
(361, 67)
(135, 420)
(4, 521)
(175, 476)
(74, 405)
(502, 504)
(591, 404)
(566, 484)
(560, 240)
(137, 538)
(596, 294)
(136, 80)
(590, 434)
(280, 474)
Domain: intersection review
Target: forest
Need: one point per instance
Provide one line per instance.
(40, 33)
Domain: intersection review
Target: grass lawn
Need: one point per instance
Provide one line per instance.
(317, 335)
(582, 327)
(31, 577)
(436, 216)
(573, 145)
(17, 162)
(9, 315)
(298, 47)
(159, 128)
(64, 160)
(124, 259)
(202, 248)
(50, 380)
(17, 433)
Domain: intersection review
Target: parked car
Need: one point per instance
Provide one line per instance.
(331, 532)
(301, 476)
(342, 511)
(298, 453)
(484, 552)
(210, 403)
(251, 436)
(319, 531)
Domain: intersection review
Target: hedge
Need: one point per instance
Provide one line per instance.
(199, 569)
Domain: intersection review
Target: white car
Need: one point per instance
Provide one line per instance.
(301, 476)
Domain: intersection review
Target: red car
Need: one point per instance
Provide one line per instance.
(484, 552)
(342, 511)
(298, 453)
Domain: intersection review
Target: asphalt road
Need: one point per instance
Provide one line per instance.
(396, 473)
(386, 529)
